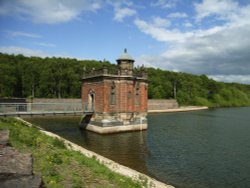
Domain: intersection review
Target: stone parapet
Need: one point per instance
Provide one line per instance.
(162, 104)
(114, 72)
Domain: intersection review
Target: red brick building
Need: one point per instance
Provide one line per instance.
(118, 99)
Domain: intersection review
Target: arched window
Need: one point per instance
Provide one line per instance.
(112, 94)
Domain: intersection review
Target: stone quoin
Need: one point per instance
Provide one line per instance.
(115, 100)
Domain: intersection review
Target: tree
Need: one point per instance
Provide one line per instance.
(61, 77)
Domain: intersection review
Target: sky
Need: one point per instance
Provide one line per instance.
(209, 37)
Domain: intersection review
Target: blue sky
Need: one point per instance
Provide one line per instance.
(209, 37)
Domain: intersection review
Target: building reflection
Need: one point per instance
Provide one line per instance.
(128, 149)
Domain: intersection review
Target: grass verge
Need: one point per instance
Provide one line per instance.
(58, 166)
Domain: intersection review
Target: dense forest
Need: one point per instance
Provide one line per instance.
(28, 77)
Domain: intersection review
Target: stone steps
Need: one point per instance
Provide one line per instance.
(16, 169)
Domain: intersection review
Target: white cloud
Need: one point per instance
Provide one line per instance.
(222, 52)
(188, 24)
(22, 34)
(221, 8)
(221, 49)
(45, 44)
(160, 22)
(47, 11)
(177, 15)
(159, 33)
(24, 51)
(34, 53)
(165, 4)
(121, 13)
(122, 9)
(245, 79)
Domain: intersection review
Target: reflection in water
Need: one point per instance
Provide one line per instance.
(128, 149)
(209, 148)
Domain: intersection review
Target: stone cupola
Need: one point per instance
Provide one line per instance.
(125, 64)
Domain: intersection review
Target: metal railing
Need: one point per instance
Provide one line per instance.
(39, 107)
(88, 108)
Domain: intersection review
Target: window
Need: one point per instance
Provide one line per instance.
(137, 94)
(112, 94)
(129, 95)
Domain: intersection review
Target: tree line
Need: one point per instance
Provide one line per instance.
(191, 89)
(27, 77)
(43, 77)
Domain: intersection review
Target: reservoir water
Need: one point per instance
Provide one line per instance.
(209, 148)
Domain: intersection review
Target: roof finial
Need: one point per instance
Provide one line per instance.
(124, 56)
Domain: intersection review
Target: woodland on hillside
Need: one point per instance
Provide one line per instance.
(27, 77)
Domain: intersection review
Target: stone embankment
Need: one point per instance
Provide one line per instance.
(170, 105)
(16, 169)
(179, 109)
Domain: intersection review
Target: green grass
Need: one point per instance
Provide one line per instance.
(58, 166)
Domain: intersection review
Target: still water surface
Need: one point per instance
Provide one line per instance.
(209, 148)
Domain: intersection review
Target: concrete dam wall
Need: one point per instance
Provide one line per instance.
(153, 104)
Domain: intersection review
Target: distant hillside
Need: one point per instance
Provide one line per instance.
(196, 90)
(22, 76)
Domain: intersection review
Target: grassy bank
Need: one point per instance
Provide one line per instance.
(58, 166)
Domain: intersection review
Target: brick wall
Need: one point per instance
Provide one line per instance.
(98, 90)
(125, 95)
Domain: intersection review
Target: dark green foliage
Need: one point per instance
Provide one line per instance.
(60, 77)
(43, 77)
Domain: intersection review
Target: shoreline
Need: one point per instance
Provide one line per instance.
(180, 109)
(112, 165)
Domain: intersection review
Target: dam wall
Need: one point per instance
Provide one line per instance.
(162, 104)
(153, 104)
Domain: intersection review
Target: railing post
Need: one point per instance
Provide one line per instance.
(65, 107)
